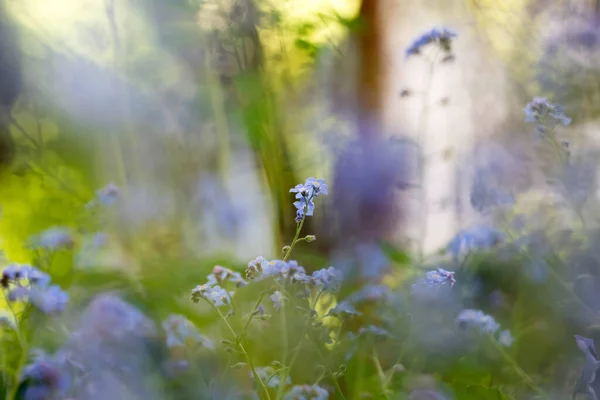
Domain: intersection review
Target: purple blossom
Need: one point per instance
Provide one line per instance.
(215, 295)
(329, 278)
(49, 300)
(440, 37)
(307, 392)
(54, 238)
(540, 110)
(277, 298)
(479, 319)
(437, 278)
(305, 195)
(343, 310)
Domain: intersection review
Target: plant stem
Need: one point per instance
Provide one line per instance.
(295, 240)
(246, 355)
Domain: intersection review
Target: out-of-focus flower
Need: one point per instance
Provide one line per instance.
(588, 374)
(108, 194)
(542, 112)
(221, 274)
(261, 268)
(479, 319)
(480, 237)
(343, 310)
(277, 298)
(271, 377)
(305, 195)
(215, 295)
(54, 238)
(375, 331)
(307, 392)
(44, 379)
(49, 300)
(329, 279)
(436, 278)
(505, 338)
(440, 37)
(182, 332)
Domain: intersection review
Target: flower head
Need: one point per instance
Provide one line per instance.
(329, 279)
(436, 278)
(277, 298)
(440, 37)
(480, 237)
(505, 338)
(305, 195)
(343, 310)
(54, 238)
(541, 111)
(49, 300)
(307, 392)
(215, 295)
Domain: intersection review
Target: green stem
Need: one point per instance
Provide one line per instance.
(295, 240)
(518, 369)
(246, 355)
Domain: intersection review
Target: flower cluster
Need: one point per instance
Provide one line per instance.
(307, 392)
(105, 196)
(541, 111)
(54, 238)
(182, 332)
(329, 279)
(214, 294)
(45, 378)
(484, 323)
(25, 281)
(221, 274)
(440, 37)
(305, 195)
(480, 237)
(437, 278)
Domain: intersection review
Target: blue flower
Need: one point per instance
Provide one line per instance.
(329, 278)
(443, 38)
(54, 238)
(277, 298)
(343, 310)
(505, 338)
(307, 392)
(305, 195)
(478, 319)
(437, 278)
(49, 300)
(480, 237)
(540, 110)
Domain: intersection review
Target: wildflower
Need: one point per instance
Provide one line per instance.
(221, 274)
(588, 374)
(329, 278)
(181, 332)
(215, 295)
(270, 377)
(477, 318)
(277, 298)
(442, 38)
(261, 268)
(54, 238)
(49, 300)
(343, 309)
(473, 239)
(539, 110)
(505, 338)
(44, 379)
(108, 194)
(307, 392)
(305, 195)
(437, 278)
